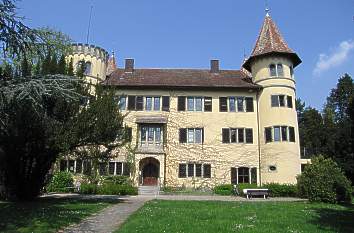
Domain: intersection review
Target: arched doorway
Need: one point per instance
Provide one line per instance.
(149, 170)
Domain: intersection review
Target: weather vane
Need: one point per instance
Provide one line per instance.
(267, 10)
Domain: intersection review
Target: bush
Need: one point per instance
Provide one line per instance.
(60, 182)
(324, 181)
(242, 186)
(281, 190)
(86, 188)
(108, 189)
(224, 189)
(122, 180)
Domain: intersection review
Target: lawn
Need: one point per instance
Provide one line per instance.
(212, 216)
(47, 214)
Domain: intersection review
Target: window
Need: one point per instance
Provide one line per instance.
(276, 133)
(139, 103)
(280, 70)
(135, 103)
(181, 106)
(111, 168)
(284, 133)
(165, 103)
(281, 100)
(272, 70)
(63, 165)
(148, 103)
(71, 165)
(131, 102)
(191, 135)
(87, 67)
(272, 168)
(194, 104)
(156, 103)
(291, 71)
(182, 172)
(243, 175)
(119, 168)
(206, 170)
(268, 134)
(233, 135)
(254, 175)
(240, 104)
(232, 107)
(102, 169)
(190, 104)
(122, 103)
(289, 101)
(226, 135)
(208, 105)
(240, 135)
(150, 135)
(126, 169)
(249, 104)
(249, 136)
(191, 170)
(87, 167)
(198, 170)
(198, 104)
(78, 166)
(223, 104)
(291, 134)
(275, 100)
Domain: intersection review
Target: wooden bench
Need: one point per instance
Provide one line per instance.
(256, 192)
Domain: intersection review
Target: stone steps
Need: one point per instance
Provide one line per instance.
(148, 190)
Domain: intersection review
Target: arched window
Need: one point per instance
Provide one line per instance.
(243, 175)
(280, 71)
(272, 70)
(88, 68)
(291, 71)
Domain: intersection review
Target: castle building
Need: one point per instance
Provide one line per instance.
(204, 127)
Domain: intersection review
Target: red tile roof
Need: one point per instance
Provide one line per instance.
(180, 78)
(270, 41)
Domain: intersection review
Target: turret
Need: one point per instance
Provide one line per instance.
(272, 63)
(94, 58)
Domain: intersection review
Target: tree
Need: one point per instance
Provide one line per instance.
(62, 65)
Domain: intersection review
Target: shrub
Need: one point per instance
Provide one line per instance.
(108, 189)
(224, 189)
(86, 188)
(324, 181)
(60, 182)
(281, 190)
(117, 180)
(242, 186)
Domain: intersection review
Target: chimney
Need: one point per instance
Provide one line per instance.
(129, 65)
(214, 66)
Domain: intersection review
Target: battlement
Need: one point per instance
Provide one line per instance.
(92, 50)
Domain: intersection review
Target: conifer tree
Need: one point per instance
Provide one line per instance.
(53, 67)
(25, 68)
(62, 65)
(70, 68)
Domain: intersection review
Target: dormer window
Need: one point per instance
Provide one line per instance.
(276, 70)
(88, 66)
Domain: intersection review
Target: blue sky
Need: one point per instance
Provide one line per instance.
(188, 33)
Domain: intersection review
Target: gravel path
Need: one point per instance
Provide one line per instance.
(110, 218)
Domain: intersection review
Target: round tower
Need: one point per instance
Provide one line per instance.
(94, 58)
(271, 64)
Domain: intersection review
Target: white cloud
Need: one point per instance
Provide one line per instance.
(336, 57)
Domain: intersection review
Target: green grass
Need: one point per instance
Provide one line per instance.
(46, 214)
(212, 216)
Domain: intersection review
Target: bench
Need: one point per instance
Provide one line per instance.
(256, 192)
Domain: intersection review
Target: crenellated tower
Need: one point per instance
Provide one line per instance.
(272, 65)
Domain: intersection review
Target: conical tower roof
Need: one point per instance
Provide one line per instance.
(111, 64)
(270, 42)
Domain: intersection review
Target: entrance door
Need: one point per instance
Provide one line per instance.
(150, 174)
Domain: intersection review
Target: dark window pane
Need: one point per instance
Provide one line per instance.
(280, 70)
(289, 101)
(119, 167)
(241, 135)
(78, 166)
(291, 134)
(281, 100)
(87, 167)
(284, 133)
(131, 102)
(126, 169)
(232, 104)
(225, 135)
(233, 135)
(208, 104)
(276, 133)
(206, 170)
(275, 101)
(240, 104)
(181, 106)
(198, 170)
(190, 103)
(272, 70)
(63, 165)
(223, 104)
(249, 136)
(182, 170)
(243, 175)
(233, 175)
(71, 165)
(254, 175)
(165, 103)
(268, 134)
(111, 167)
(139, 103)
(249, 104)
(190, 169)
(102, 169)
(183, 135)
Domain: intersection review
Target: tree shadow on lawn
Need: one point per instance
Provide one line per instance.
(47, 214)
(340, 219)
